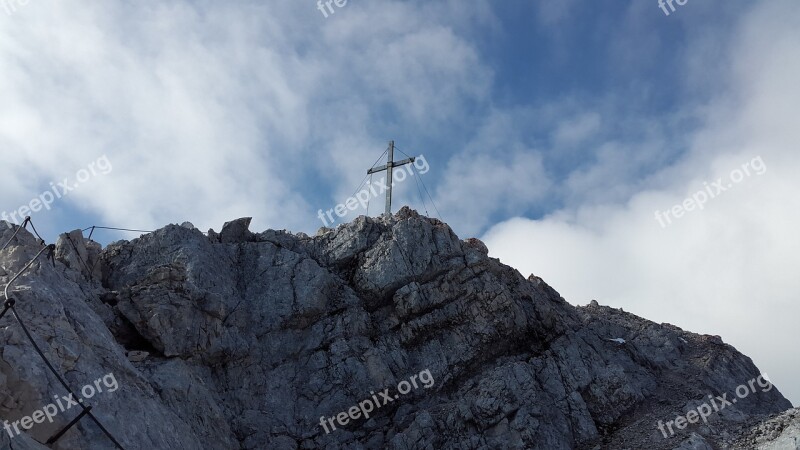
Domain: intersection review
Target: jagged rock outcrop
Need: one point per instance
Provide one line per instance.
(263, 340)
(779, 432)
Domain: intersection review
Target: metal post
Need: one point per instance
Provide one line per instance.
(389, 169)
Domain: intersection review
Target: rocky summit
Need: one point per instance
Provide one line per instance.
(385, 333)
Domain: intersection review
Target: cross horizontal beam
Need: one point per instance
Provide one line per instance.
(389, 168)
(394, 164)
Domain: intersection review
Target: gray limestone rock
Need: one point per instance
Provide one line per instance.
(236, 231)
(243, 340)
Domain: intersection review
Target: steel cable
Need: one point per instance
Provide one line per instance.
(9, 305)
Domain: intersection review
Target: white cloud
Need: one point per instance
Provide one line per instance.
(576, 130)
(729, 269)
(495, 173)
(209, 112)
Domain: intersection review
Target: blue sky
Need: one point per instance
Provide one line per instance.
(553, 131)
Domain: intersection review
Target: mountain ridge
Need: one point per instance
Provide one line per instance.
(254, 340)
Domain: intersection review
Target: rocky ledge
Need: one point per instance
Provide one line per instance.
(242, 340)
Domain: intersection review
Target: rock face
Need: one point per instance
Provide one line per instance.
(271, 340)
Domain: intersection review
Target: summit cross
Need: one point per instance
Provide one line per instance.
(388, 167)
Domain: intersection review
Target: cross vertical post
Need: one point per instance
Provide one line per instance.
(389, 171)
(389, 167)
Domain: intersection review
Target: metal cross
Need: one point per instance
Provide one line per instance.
(390, 164)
